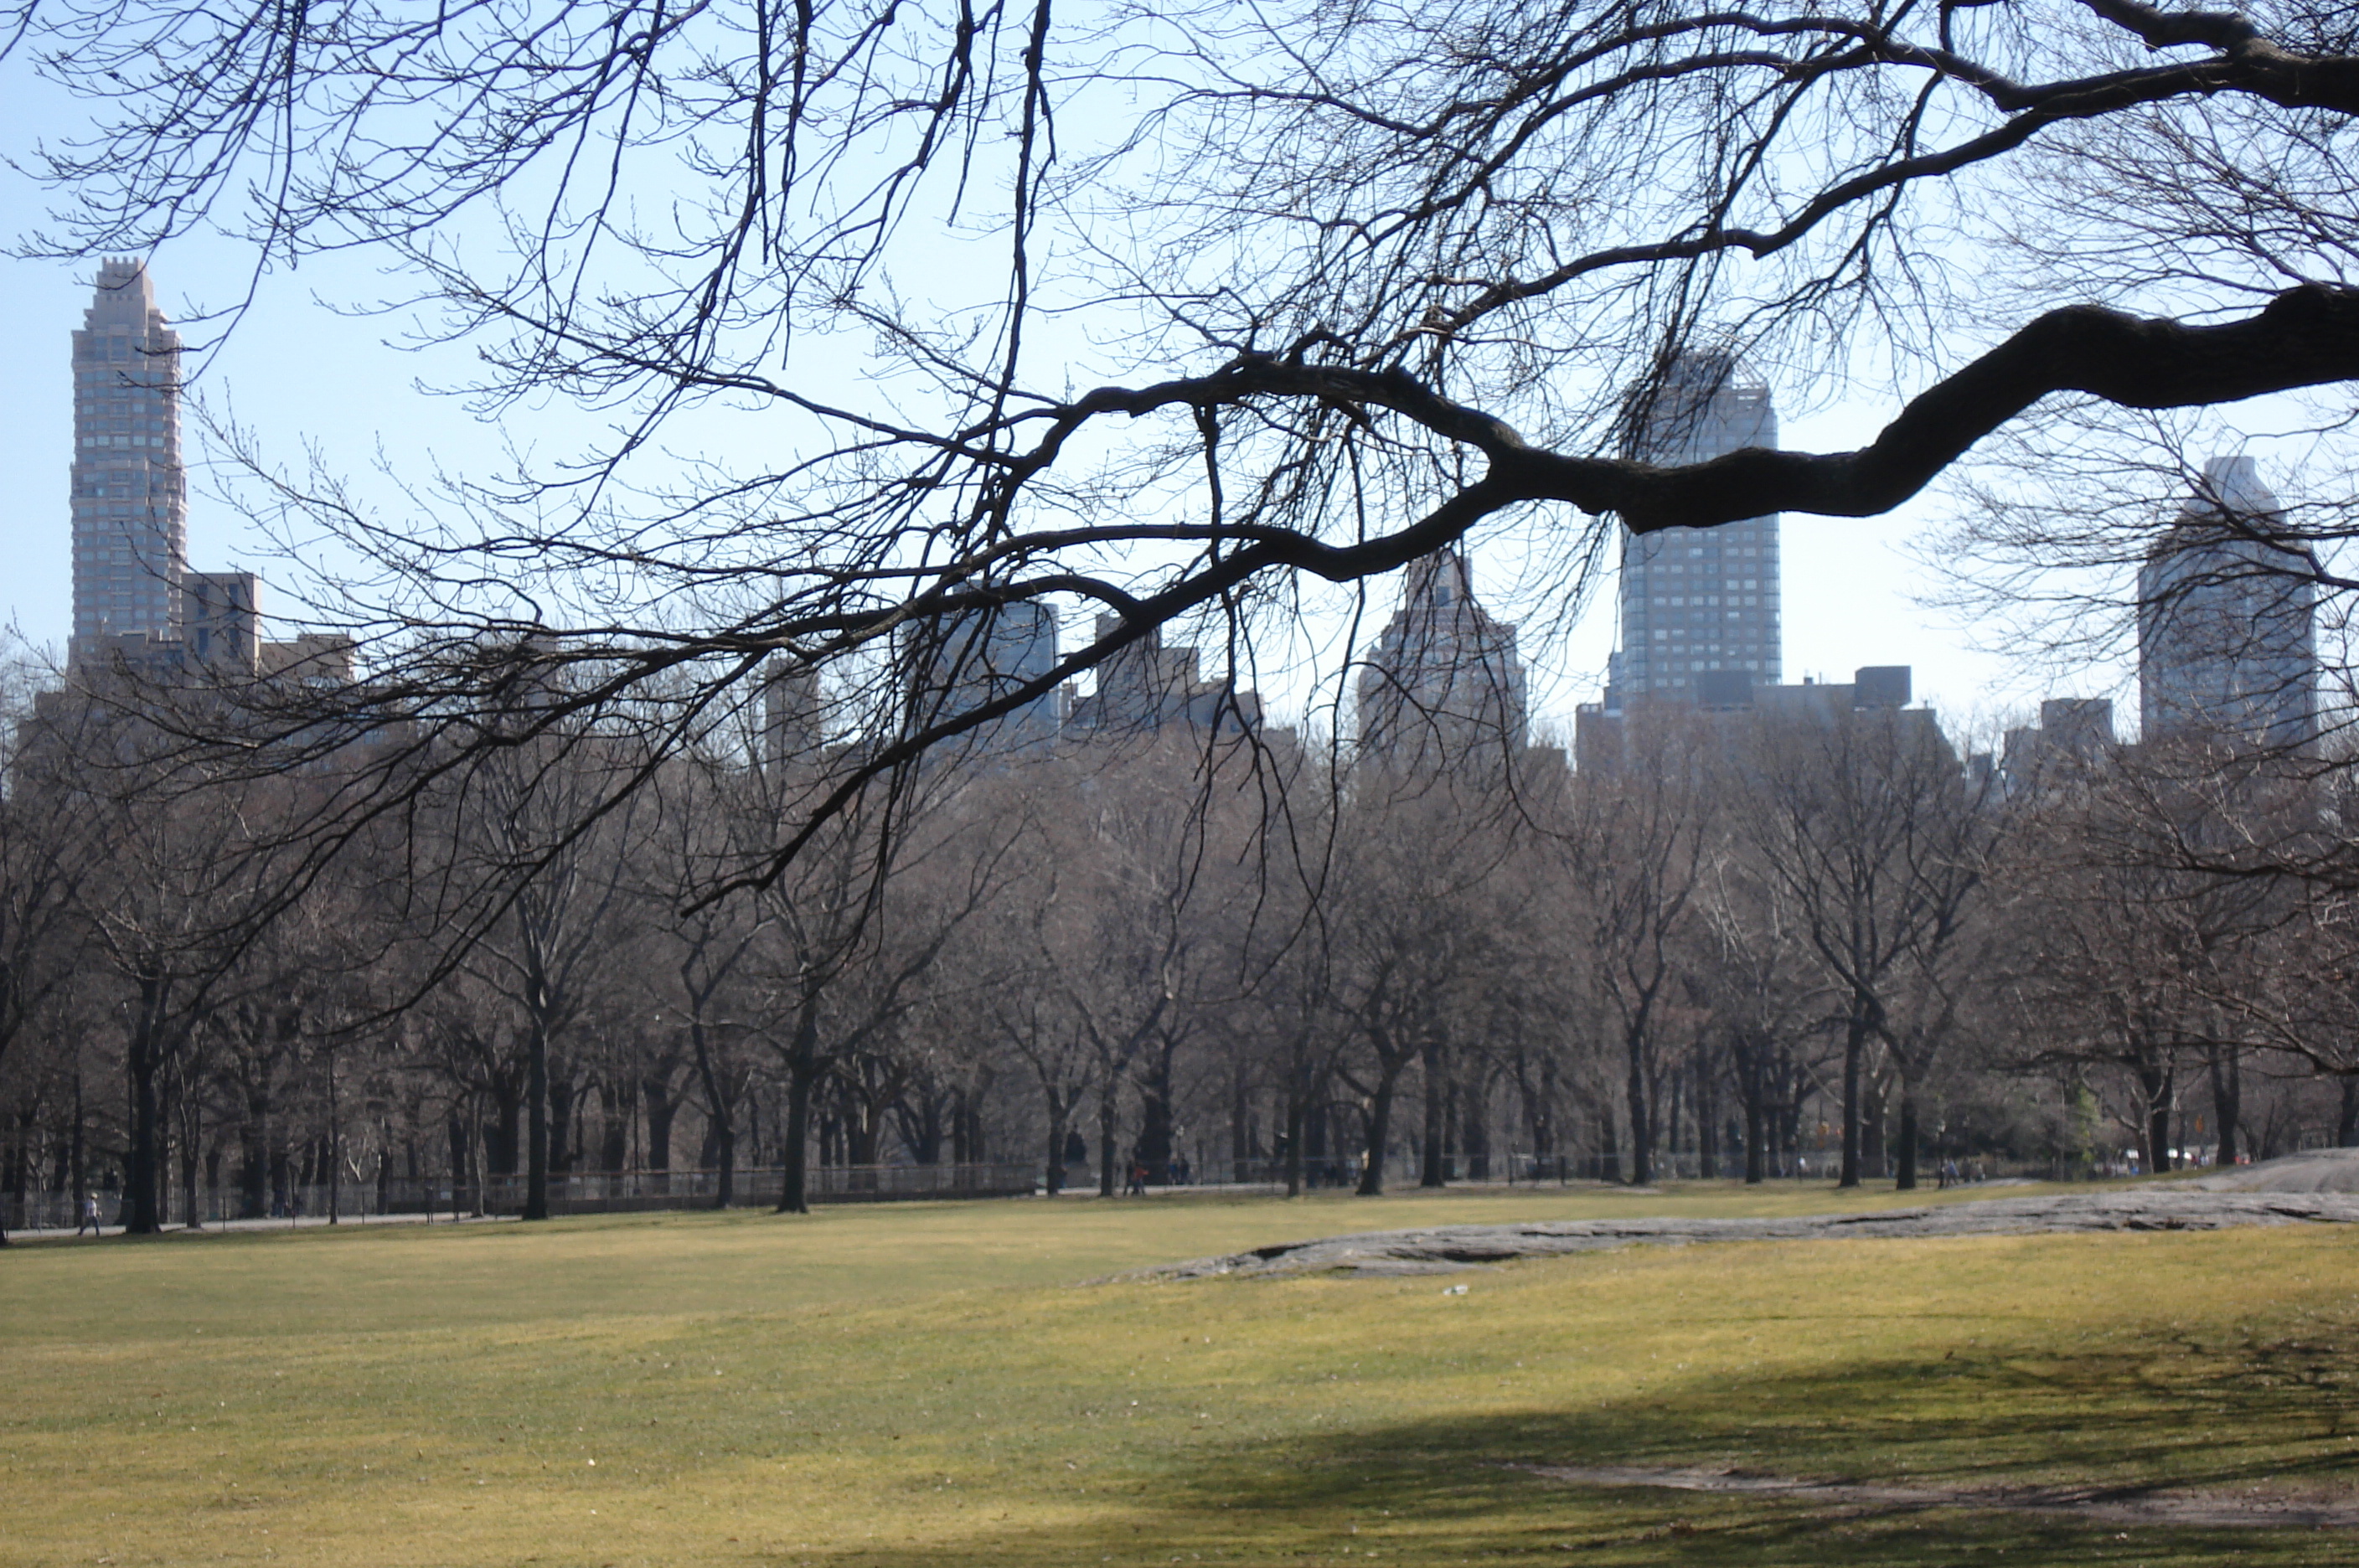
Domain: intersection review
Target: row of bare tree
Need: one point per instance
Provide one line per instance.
(1744, 942)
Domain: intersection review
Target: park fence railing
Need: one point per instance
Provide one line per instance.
(628, 1192)
(760, 1187)
(572, 1194)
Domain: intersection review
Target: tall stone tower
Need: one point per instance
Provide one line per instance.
(1444, 686)
(2227, 608)
(1694, 601)
(130, 494)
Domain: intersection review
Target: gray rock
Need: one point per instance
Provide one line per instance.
(1445, 1249)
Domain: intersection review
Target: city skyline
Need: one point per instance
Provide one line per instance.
(1849, 582)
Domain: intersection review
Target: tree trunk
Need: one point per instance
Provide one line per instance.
(802, 1077)
(1905, 1179)
(1756, 1130)
(1473, 1134)
(1108, 1105)
(615, 1108)
(1294, 1130)
(1854, 1050)
(142, 1164)
(334, 1151)
(661, 1110)
(2346, 1128)
(1875, 1121)
(536, 1113)
(1753, 1090)
(1539, 1109)
(2227, 1100)
(1155, 1138)
(564, 1123)
(192, 1133)
(2156, 1084)
(721, 1130)
(1380, 1117)
(1707, 1120)
(1668, 1099)
(1642, 1139)
(460, 1156)
(1241, 1137)
(77, 1148)
(1059, 1126)
(1432, 1169)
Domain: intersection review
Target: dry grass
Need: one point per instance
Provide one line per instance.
(925, 1385)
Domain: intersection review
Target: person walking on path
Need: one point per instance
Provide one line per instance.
(89, 1216)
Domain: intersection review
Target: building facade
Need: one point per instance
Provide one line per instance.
(2227, 609)
(130, 492)
(1723, 710)
(1697, 600)
(1148, 687)
(1443, 683)
(960, 663)
(2074, 736)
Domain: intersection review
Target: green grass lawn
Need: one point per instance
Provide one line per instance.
(934, 1385)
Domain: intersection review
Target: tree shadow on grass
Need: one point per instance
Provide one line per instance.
(2272, 1418)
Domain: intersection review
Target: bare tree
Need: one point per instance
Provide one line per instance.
(1636, 851)
(44, 854)
(526, 835)
(1866, 819)
(1756, 969)
(2145, 961)
(1422, 264)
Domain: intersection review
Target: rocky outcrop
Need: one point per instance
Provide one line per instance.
(1449, 1248)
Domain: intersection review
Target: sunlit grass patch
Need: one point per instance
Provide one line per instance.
(932, 1386)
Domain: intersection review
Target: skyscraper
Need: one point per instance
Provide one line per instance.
(959, 663)
(1443, 683)
(2227, 641)
(130, 497)
(1698, 600)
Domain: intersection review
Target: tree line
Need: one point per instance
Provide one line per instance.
(1739, 945)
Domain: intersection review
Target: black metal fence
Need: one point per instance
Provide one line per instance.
(636, 1191)
(597, 1193)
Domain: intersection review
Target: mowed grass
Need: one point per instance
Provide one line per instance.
(934, 1385)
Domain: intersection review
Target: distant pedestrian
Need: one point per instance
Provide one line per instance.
(89, 1216)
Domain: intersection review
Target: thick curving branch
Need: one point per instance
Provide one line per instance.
(2307, 336)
